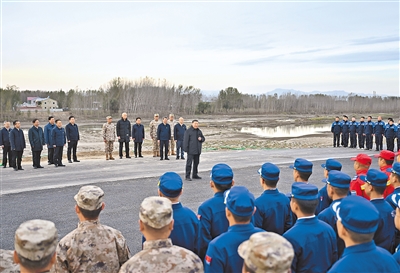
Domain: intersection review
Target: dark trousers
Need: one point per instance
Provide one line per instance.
(7, 153)
(336, 140)
(345, 139)
(368, 140)
(164, 144)
(17, 158)
(398, 144)
(353, 140)
(121, 145)
(378, 141)
(195, 159)
(50, 156)
(361, 141)
(36, 158)
(179, 149)
(58, 153)
(138, 147)
(390, 144)
(72, 144)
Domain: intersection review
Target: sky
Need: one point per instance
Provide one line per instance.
(253, 46)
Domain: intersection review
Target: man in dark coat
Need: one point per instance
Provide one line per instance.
(47, 139)
(58, 139)
(5, 144)
(179, 133)
(138, 136)
(17, 141)
(72, 132)
(124, 134)
(163, 137)
(192, 143)
(36, 140)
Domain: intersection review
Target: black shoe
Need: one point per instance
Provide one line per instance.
(166, 158)
(56, 165)
(40, 167)
(128, 157)
(377, 150)
(183, 158)
(161, 159)
(140, 156)
(196, 177)
(15, 169)
(69, 161)
(50, 163)
(135, 156)
(77, 160)
(4, 166)
(61, 165)
(34, 167)
(120, 157)
(177, 158)
(188, 179)
(20, 169)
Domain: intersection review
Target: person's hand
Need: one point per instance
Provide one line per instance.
(133, 139)
(176, 140)
(158, 141)
(54, 146)
(199, 138)
(68, 140)
(119, 137)
(2, 146)
(105, 141)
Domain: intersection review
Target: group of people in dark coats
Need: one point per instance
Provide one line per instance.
(125, 135)
(13, 143)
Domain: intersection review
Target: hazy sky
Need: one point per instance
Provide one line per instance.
(255, 47)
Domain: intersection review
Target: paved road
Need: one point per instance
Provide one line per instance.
(48, 193)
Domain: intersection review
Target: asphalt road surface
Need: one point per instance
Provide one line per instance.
(48, 193)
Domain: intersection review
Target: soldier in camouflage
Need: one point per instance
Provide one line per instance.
(7, 264)
(159, 254)
(91, 247)
(35, 246)
(109, 137)
(172, 122)
(153, 134)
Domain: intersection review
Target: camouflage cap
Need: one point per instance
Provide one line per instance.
(108, 117)
(156, 211)
(36, 239)
(89, 197)
(267, 252)
(156, 115)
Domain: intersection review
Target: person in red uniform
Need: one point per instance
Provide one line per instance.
(385, 162)
(362, 162)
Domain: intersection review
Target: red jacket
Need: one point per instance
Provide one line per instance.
(389, 188)
(356, 184)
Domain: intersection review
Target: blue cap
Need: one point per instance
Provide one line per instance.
(332, 164)
(395, 169)
(302, 165)
(269, 171)
(358, 214)
(304, 191)
(170, 184)
(222, 174)
(338, 179)
(375, 178)
(240, 201)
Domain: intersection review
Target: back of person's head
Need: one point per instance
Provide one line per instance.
(222, 177)
(395, 174)
(89, 200)
(386, 158)
(339, 182)
(377, 180)
(156, 214)
(269, 174)
(170, 185)
(361, 162)
(305, 196)
(240, 202)
(303, 168)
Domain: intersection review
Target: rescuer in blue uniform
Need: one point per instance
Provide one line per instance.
(186, 224)
(398, 137)
(222, 254)
(396, 200)
(379, 130)
(336, 129)
(313, 241)
(211, 213)
(273, 208)
(324, 200)
(369, 131)
(361, 134)
(374, 188)
(390, 134)
(345, 131)
(353, 132)
(358, 219)
(338, 185)
(394, 180)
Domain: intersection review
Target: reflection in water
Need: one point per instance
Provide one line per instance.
(287, 130)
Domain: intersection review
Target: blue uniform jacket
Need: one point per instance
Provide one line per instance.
(390, 200)
(58, 137)
(314, 244)
(186, 227)
(222, 253)
(17, 140)
(396, 256)
(273, 212)
(36, 138)
(72, 132)
(369, 127)
(329, 216)
(353, 127)
(163, 132)
(398, 131)
(336, 127)
(385, 234)
(365, 258)
(361, 127)
(47, 134)
(179, 131)
(213, 221)
(138, 132)
(345, 126)
(379, 127)
(390, 131)
(5, 137)
(324, 200)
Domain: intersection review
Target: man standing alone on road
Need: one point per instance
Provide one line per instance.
(36, 140)
(163, 137)
(179, 133)
(192, 144)
(138, 136)
(58, 139)
(124, 134)
(172, 124)
(5, 144)
(17, 140)
(72, 137)
(153, 134)
(47, 139)
(109, 137)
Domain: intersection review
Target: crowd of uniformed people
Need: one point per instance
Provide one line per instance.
(350, 225)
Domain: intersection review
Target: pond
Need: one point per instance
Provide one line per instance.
(287, 130)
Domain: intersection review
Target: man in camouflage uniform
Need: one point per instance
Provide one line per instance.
(153, 134)
(159, 254)
(35, 246)
(266, 252)
(91, 247)
(109, 137)
(172, 122)
(7, 264)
